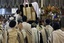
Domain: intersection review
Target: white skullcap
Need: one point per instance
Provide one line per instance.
(11, 18)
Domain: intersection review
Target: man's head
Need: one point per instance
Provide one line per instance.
(56, 26)
(18, 11)
(12, 24)
(48, 21)
(24, 18)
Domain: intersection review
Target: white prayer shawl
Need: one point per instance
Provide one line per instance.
(26, 27)
(36, 7)
(49, 30)
(1, 36)
(24, 33)
(5, 36)
(13, 31)
(7, 26)
(39, 28)
(57, 37)
(34, 35)
(43, 32)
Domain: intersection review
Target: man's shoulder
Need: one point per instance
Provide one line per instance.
(56, 31)
(26, 24)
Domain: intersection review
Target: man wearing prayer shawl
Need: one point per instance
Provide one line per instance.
(13, 35)
(1, 33)
(43, 33)
(48, 28)
(58, 35)
(36, 8)
(27, 29)
(7, 23)
(35, 34)
(41, 29)
(40, 25)
(17, 15)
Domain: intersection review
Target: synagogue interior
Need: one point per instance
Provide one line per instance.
(31, 21)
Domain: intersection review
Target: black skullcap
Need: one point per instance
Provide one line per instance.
(12, 23)
(26, 5)
(30, 5)
(24, 18)
(56, 26)
(18, 11)
(48, 21)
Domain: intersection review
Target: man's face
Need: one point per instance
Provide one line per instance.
(20, 26)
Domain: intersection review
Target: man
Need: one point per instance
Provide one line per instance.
(17, 15)
(13, 35)
(48, 28)
(58, 35)
(7, 23)
(43, 32)
(36, 8)
(26, 29)
(35, 33)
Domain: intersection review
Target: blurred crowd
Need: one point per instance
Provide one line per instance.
(16, 29)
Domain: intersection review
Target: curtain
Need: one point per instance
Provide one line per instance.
(15, 3)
